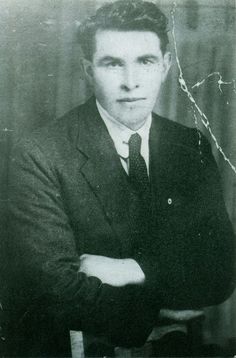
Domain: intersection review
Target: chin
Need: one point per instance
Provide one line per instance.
(132, 122)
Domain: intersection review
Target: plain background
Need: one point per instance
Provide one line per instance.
(40, 79)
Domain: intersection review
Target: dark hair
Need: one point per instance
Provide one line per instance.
(123, 15)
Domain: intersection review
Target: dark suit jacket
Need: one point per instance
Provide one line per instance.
(69, 195)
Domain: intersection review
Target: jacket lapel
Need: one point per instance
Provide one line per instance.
(103, 171)
(158, 146)
(169, 162)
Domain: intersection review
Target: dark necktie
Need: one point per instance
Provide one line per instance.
(137, 166)
(139, 204)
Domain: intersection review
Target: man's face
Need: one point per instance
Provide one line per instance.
(126, 72)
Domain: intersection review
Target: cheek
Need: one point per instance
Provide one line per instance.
(152, 78)
(157, 78)
(105, 84)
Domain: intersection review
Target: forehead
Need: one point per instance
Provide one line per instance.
(125, 44)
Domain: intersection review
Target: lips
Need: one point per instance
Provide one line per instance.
(133, 99)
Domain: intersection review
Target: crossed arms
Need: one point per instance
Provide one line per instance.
(105, 295)
(114, 272)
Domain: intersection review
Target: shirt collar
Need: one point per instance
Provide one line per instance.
(120, 134)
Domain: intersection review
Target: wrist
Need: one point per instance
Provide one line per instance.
(135, 273)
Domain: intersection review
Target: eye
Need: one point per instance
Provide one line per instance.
(113, 64)
(146, 61)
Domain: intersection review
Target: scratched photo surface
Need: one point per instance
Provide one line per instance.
(41, 79)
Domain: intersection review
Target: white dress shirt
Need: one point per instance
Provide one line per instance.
(120, 135)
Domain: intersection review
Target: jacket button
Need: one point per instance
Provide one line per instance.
(169, 201)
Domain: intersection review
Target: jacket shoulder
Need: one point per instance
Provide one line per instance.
(190, 138)
(57, 135)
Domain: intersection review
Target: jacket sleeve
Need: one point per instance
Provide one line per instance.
(45, 265)
(193, 264)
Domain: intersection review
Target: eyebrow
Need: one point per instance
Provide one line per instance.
(118, 59)
(149, 56)
(108, 59)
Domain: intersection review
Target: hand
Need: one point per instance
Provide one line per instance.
(114, 272)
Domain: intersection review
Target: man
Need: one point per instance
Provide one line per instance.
(115, 212)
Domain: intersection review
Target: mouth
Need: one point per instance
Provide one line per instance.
(133, 99)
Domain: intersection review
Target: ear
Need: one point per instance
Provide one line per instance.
(87, 67)
(166, 65)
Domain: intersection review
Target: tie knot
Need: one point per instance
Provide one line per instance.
(135, 143)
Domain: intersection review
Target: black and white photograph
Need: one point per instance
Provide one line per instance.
(117, 178)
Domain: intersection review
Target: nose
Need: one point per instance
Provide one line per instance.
(129, 80)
